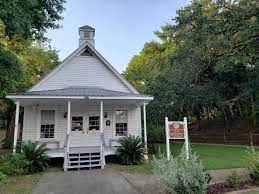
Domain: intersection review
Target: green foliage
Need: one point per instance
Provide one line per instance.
(37, 60)
(35, 154)
(13, 164)
(10, 72)
(180, 175)
(3, 178)
(155, 134)
(131, 150)
(233, 179)
(211, 66)
(30, 18)
(251, 163)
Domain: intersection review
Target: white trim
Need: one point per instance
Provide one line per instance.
(42, 97)
(16, 126)
(40, 109)
(99, 56)
(120, 98)
(145, 125)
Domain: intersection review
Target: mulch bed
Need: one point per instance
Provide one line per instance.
(224, 187)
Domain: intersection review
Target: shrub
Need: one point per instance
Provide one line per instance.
(232, 179)
(131, 150)
(251, 163)
(155, 134)
(35, 154)
(3, 178)
(180, 175)
(13, 164)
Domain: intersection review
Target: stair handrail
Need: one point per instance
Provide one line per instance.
(66, 150)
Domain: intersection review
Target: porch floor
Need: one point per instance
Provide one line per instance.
(59, 152)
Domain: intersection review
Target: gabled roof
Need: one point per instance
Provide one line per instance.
(86, 27)
(87, 45)
(90, 92)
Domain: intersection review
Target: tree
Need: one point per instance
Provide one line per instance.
(212, 66)
(29, 19)
(37, 60)
(144, 68)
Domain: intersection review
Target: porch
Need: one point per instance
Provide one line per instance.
(60, 152)
(80, 121)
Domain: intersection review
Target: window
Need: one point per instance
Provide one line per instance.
(121, 123)
(47, 124)
(77, 123)
(94, 123)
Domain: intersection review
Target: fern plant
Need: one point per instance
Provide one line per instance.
(131, 150)
(36, 156)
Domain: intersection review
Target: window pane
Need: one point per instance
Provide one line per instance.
(121, 123)
(47, 124)
(94, 123)
(77, 123)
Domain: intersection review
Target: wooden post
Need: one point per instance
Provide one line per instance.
(145, 125)
(145, 131)
(101, 133)
(17, 111)
(186, 138)
(167, 139)
(68, 122)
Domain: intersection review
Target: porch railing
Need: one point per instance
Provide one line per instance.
(66, 150)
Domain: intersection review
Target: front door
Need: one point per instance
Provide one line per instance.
(78, 131)
(93, 133)
(85, 130)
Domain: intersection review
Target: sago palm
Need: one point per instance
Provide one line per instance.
(131, 150)
(36, 155)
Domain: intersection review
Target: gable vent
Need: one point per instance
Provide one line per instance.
(86, 53)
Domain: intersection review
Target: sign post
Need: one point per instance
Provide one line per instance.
(167, 139)
(176, 130)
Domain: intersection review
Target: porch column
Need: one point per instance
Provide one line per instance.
(145, 125)
(101, 133)
(68, 124)
(68, 117)
(16, 125)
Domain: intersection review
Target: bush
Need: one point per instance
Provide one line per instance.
(13, 164)
(180, 175)
(3, 178)
(155, 134)
(35, 154)
(131, 150)
(232, 179)
(251, 163)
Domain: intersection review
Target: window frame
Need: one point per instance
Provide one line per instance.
(40, 124)
(93, 125)
(121, 123)
(83, 120)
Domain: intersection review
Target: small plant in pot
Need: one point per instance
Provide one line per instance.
(131, 150)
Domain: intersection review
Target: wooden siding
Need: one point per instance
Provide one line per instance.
(32, 124)
(82, 71)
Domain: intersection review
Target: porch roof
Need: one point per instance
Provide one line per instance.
(80, 93)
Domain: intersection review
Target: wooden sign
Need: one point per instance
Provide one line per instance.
(176, 129)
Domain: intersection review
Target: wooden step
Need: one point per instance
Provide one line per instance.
(84, 166)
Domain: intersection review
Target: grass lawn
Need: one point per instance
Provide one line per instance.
(24, 184)
(213, 157)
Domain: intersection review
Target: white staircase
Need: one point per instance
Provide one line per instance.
(83, 160)
(79, 158)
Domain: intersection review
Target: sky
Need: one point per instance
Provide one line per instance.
(121, 26)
